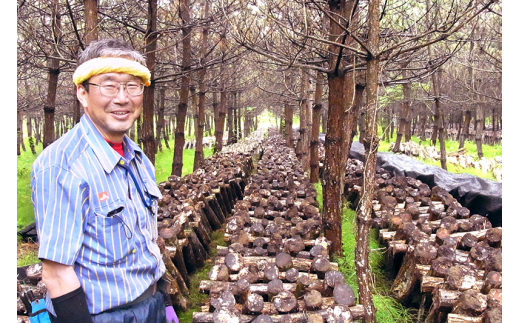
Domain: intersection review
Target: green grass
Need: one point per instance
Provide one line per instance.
(388, 309)
(24, 205)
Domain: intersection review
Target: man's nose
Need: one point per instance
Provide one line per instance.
(122, 95)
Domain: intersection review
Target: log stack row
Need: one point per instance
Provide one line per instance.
(276, 266)
(192, 207)
(444, 259)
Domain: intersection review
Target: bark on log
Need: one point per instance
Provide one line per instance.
(470, 303)
(406, 280)
(461, 277)
(213, 219)
(191, 260)
(493, 281)
(178, 260)
(254, 303)
(285, 302)
(493, 315)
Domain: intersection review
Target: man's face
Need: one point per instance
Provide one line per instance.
(112, 116)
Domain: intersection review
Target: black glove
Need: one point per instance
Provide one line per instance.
(71, 308)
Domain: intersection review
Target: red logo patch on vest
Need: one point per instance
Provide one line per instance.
(103, 196)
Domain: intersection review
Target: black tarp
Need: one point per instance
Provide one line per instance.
(480, 196)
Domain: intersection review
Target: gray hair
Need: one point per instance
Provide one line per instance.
(110, 48)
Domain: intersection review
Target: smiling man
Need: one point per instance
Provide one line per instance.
(95, 200)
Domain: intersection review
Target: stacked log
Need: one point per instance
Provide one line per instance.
(192, 207)
(195, 205)
(276, 266)
(436, 249)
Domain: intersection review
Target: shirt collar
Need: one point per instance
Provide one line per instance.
(107, 156)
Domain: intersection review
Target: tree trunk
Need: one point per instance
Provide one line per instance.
(30, 135)
(230, 121)
(439, 118)
(199, 127)
(465, 131)
(235, 117)
(185, 88)
(459, 125)
(148, 136)
(436, 120)
(199, 136)
(332, 172)
(188, 121)
(91, 34)
(442, 143)
(364, 211)
(408, 131)
(358, 99)
(362, 124)
(19, 134)
(479, 127)
(349, 110)
(160, 121)
(91, 21)
(214, 104)
(302, 148)
(246, 123)
(402, 121)
(166, 134)
(38, 130)
(239, 118)
(316, 113)
(324, 117)
(219, 128)
(54, 71)
(404, 124)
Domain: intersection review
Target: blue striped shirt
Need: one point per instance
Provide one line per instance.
(89, 214)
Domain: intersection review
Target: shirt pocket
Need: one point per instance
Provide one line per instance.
(112, 233)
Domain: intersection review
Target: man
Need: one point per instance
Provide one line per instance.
(95, 200)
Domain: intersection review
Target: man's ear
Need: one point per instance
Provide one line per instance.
(82, 94)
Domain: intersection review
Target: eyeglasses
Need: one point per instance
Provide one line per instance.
(111, 88)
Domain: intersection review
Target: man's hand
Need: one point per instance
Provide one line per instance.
(59, 279)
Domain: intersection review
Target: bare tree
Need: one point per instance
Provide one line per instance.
(184, 92)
